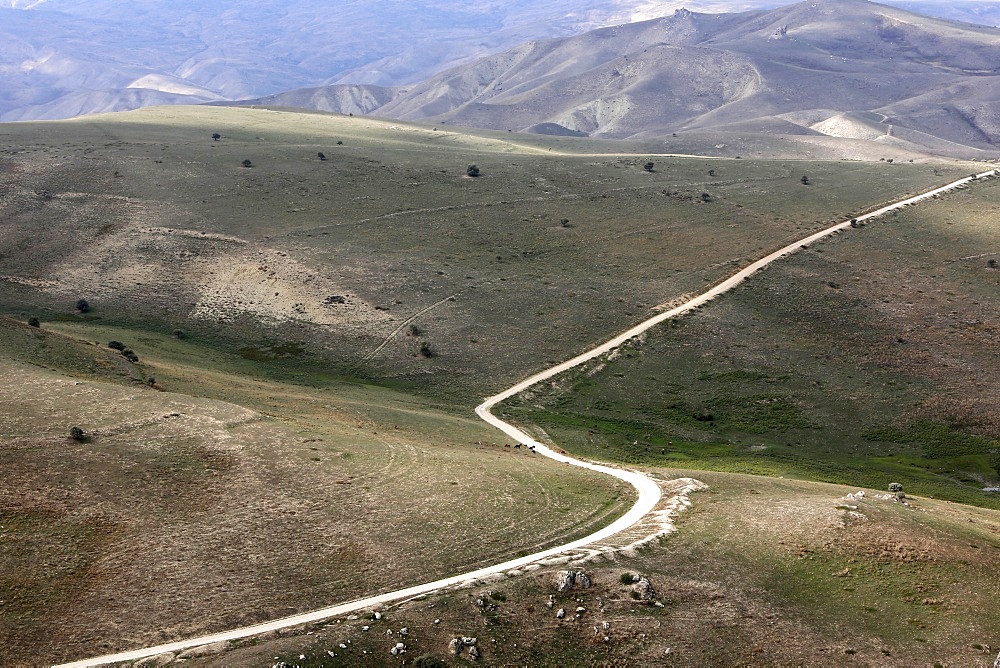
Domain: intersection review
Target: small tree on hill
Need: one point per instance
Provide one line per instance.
(805, 180)
(82, 305)
(247, 164)
(216, 136)
(472, 170)
(34, 322)
(77, 434)
(321, 156)
(649, 167)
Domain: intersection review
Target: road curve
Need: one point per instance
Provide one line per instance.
(647, 489)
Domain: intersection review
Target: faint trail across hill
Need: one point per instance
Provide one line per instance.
(648, 490)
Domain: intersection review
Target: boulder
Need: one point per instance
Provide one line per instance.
(644, 589)
(561, 613)
(473, 653)
(455, 646)
(469, 642)
(565, 580)
(582, 580)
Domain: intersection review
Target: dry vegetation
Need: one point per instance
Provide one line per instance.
(762, 572)
(177, 514)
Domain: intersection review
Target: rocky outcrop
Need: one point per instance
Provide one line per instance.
(568, 580)
(644, 589)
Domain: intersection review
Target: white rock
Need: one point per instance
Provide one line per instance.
(342, 646)
(204, 650)
(365, 627)
(469, 642)
(378, 615)
(561, 613)
(156, 661)
(581, 609)
(565, 580)
(405, 631)
(437, 621)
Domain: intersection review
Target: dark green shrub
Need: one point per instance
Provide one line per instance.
(82, 305)
(626, 578)
(472, 170)
(116, 345)
(77, 434)
(34, 322)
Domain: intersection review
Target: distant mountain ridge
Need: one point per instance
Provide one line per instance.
(64, 58)
(841, 68)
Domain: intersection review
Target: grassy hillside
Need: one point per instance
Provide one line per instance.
(867, 359)
(553, 248)
(311, 335)
(181, 513)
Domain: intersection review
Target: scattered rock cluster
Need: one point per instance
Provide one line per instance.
(567, 580)
(466, 645)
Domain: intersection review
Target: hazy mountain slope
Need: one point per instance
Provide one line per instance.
(66, 57)
(702, 72)
(56, 53)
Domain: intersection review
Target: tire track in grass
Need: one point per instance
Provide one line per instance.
(648, 490)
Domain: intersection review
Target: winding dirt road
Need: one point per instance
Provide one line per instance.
(648, 490)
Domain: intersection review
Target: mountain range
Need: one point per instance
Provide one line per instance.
(850, 69)
(65, 58)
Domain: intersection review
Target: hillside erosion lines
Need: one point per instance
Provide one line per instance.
(648, 490)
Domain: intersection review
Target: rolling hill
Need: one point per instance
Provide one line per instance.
(829, 68)
(65, 58)
(312, 333)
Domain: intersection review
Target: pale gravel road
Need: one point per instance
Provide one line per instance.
(647, 489)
